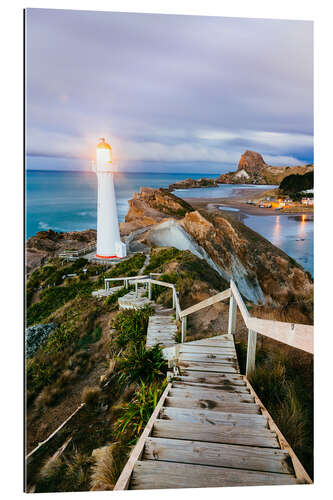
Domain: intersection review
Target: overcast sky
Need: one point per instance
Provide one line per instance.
(167, 88)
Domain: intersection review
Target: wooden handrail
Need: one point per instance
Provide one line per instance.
(292, 334)
(242, 307)
(205, 303)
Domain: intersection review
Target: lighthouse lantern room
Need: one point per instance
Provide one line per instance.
(109, 244)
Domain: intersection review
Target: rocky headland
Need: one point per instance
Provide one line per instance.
(252, 169)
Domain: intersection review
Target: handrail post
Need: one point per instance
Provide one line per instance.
(173, 298)
(136, 289)
(177, 304)
(184, 328)
(251, 352)
(126, 283)
(232, 315)
(149, 289)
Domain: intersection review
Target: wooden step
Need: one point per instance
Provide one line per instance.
(213, 405)
(152, 474)
(220, 455)
(211, 378)
(212, 417)
(208, 367)
(207, 349)
(226, 387)
(208, 357)
(227, 434)
(203, 393)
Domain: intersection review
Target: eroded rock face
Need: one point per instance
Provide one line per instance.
(151, 206)
(251, 162)
(261, 271)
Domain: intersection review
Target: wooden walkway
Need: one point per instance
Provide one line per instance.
(209, 429)
(162, 328)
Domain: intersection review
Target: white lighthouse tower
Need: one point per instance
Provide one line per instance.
(109, 245)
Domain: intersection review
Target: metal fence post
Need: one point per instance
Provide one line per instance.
(149, 289)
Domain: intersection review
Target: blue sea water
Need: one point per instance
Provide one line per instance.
(67, 201)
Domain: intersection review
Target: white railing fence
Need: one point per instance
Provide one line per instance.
(294, 335)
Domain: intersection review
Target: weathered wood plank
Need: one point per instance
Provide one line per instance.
(295, 335)
(208, 367)
(202, 393)
(125, 476)
(177, 475)
(206, 349)
(212, 404)
(213, 378)
(208, 357)
(218, 340)
(232, 315)
(228, 434)
(242, 307)
(226, 387)
(205, 303)
(212, 417)
(220, 455)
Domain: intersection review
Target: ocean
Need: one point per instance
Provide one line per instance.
(67, 201)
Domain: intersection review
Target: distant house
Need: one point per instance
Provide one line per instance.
(307, 201)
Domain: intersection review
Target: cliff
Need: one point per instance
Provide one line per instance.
(151, 206)
(252, 169)
(262, 271)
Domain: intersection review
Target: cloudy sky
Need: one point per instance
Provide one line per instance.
(171, 90)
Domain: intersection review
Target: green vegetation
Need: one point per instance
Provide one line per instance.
(141, 364)
(283, 380)
(296, 183)
(131, 325)
(53, 298)
(160, 256)
(137, 412)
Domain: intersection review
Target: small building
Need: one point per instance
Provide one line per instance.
(307, 201)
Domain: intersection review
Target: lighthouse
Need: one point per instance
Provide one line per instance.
(109, 244)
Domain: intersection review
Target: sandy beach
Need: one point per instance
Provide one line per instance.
(239, 202)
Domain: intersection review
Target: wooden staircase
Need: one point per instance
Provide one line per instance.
(210, 429)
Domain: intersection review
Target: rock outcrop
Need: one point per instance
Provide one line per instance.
(49, 243)
(151, 206)
(193, 183)
(252, 169)
(37, 335)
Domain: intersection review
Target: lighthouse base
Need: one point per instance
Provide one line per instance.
(119, 250)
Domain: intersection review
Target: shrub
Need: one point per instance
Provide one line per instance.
(142, 364)
(131, 325)
(161, 256)
(91, 396)
(137, 412)
(108, 464)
